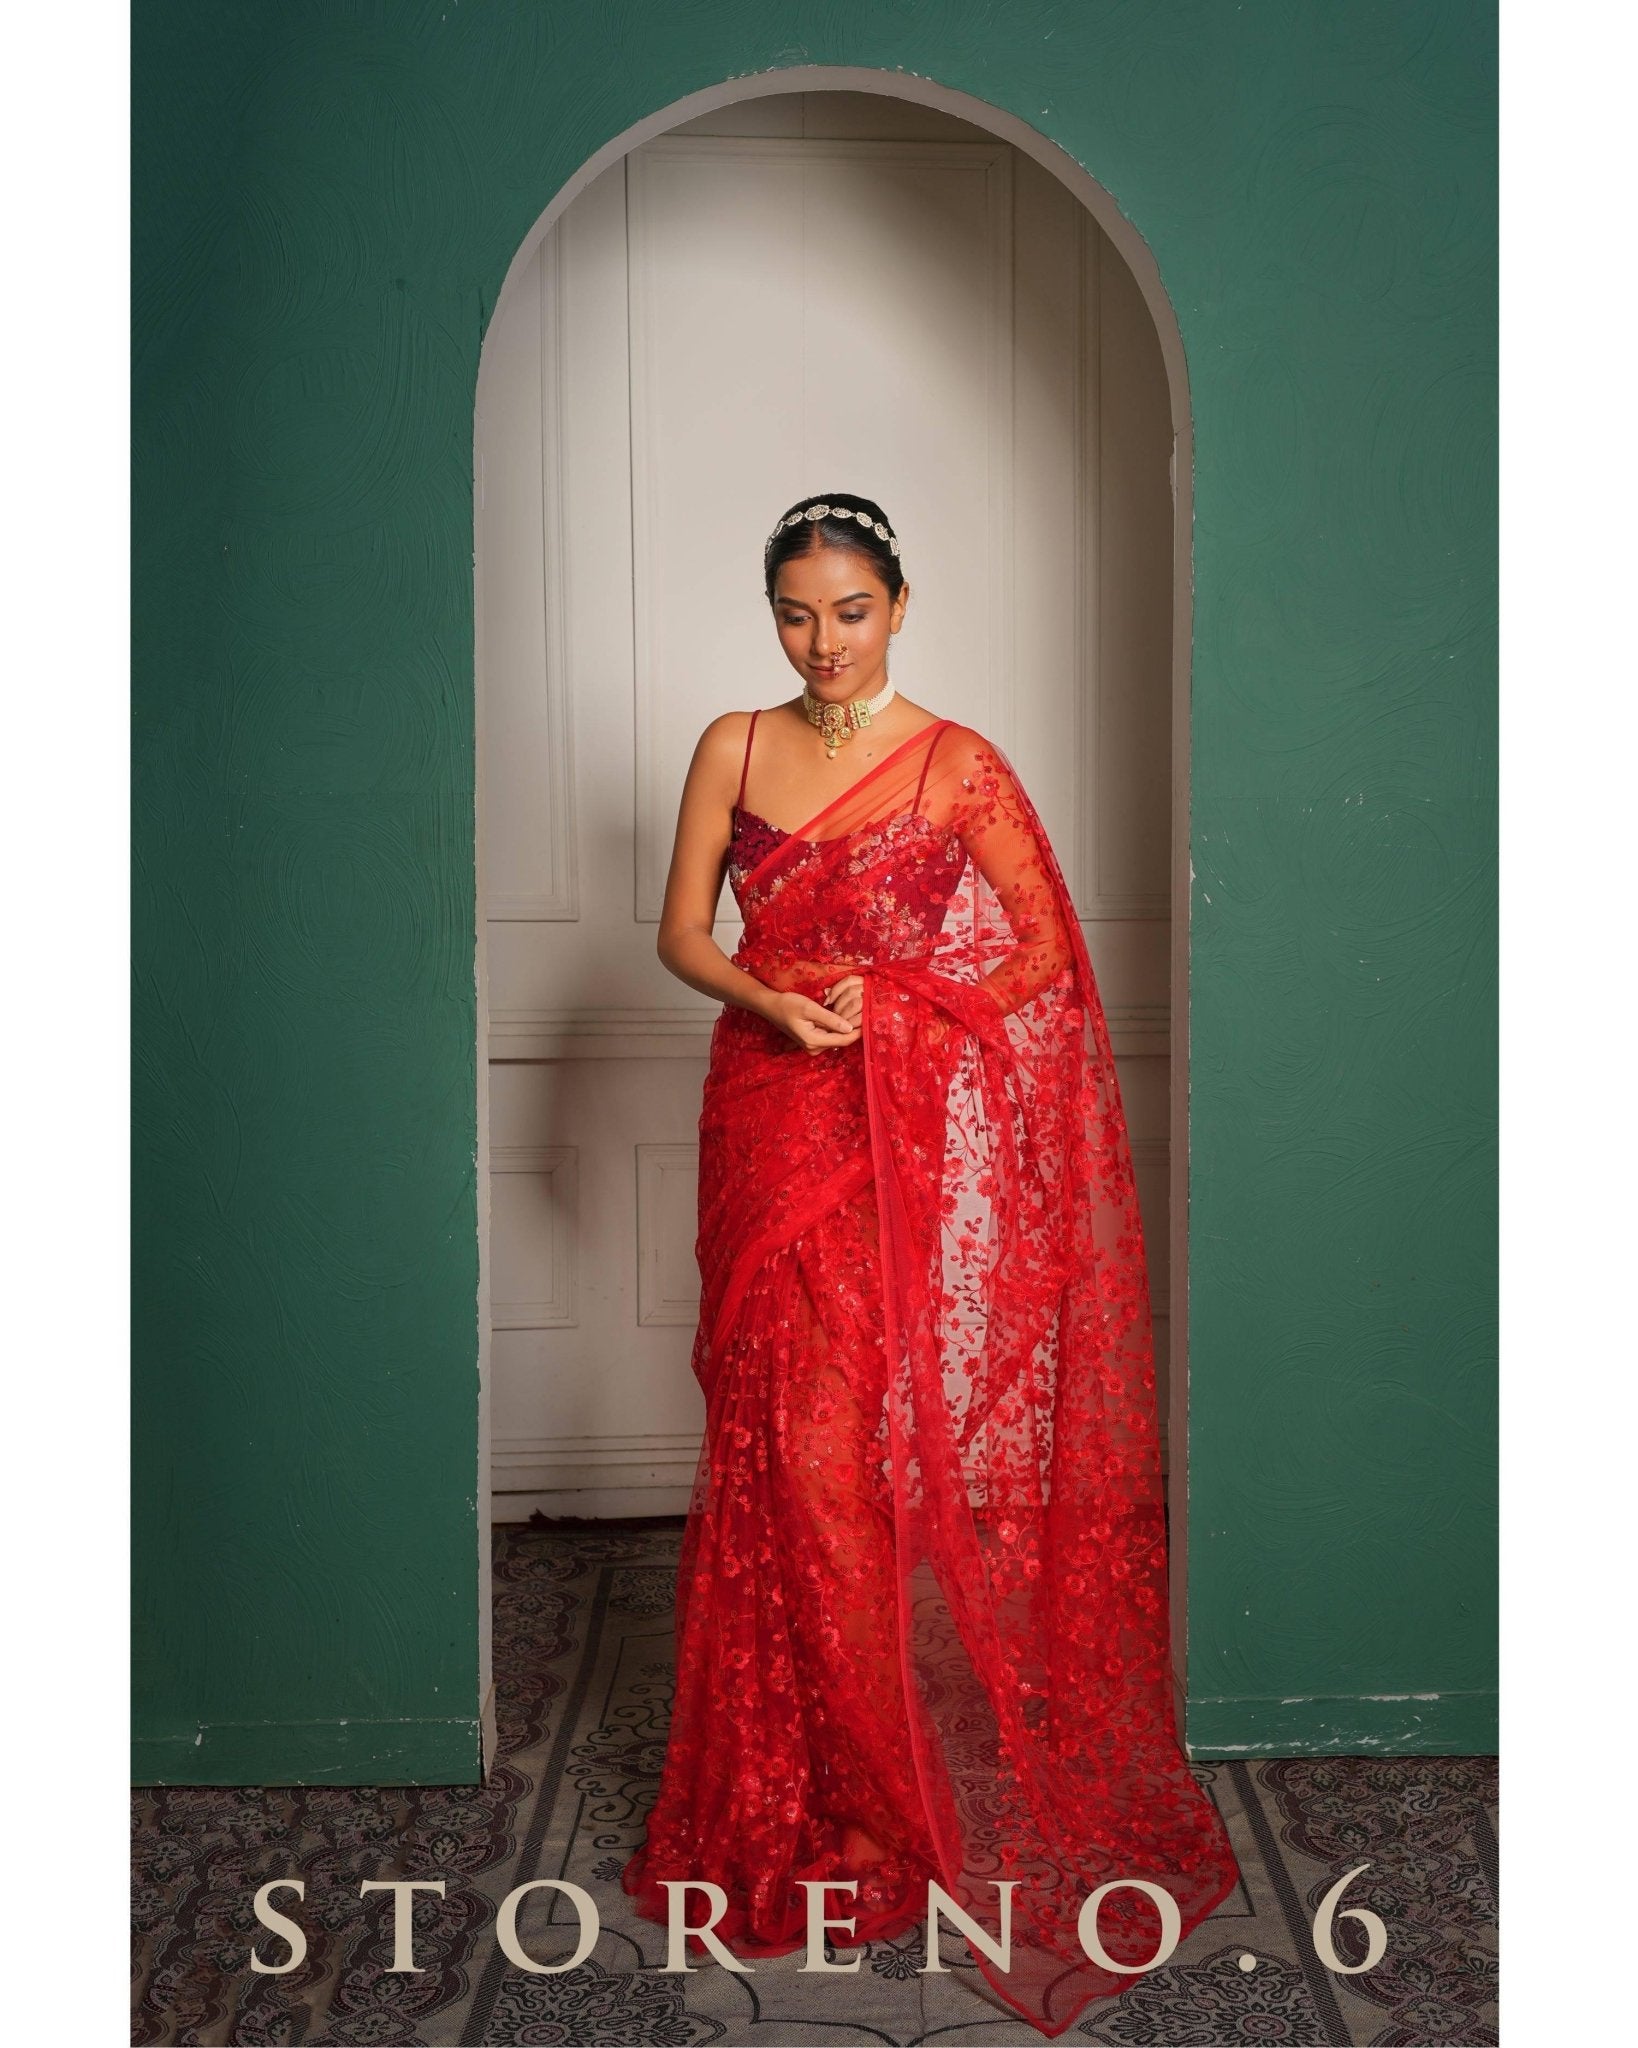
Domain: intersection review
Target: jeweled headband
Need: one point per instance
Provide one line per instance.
(833, 512)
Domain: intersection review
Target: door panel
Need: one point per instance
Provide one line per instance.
(802, 293)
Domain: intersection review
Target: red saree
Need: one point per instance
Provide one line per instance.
(923, 1580)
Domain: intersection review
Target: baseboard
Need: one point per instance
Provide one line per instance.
(592, 1503)
(338, 1752)
(1398, 1724)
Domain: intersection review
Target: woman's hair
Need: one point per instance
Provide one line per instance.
(807, 536)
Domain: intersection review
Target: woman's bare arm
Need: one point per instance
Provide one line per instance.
(694, 885)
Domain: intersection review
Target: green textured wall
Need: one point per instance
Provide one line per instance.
(326, 199)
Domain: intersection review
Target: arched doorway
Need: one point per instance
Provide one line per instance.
(658, 379)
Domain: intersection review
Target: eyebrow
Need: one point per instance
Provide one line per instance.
(851, 598)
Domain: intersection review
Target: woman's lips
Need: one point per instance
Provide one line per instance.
(829, 668)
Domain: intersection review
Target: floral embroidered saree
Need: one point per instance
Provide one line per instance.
(923, 1583)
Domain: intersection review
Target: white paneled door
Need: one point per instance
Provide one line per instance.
(819, 292)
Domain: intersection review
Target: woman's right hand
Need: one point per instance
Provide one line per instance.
(814, 1028)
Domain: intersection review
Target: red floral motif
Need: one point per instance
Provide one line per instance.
(921, 1614)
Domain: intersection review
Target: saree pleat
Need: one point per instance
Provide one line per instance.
(922, 1616)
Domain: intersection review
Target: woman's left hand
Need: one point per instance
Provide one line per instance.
(846, 997)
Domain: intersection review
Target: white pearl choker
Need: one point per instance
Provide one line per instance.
(839, 722)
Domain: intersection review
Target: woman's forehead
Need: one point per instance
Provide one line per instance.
(831, 577)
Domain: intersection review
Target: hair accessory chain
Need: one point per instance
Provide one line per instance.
(835, 512)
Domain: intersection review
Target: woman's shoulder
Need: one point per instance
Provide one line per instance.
(965, 743)
(729, 726)
(723, 738)
(955, 734)
(722, 751)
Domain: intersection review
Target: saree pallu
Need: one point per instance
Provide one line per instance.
(923, 1584)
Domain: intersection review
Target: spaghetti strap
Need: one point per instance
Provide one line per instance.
(926, 761)
(750, 731)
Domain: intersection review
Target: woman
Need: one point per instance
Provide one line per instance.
(921, 1613)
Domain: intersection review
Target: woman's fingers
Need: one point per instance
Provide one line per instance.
(836, 1022)
(835, 1041)
(811, 1025)
(827, 1027)
(846, 997)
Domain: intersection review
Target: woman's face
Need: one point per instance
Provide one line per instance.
(834, 620)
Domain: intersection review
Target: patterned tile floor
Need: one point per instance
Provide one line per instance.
(583, 1669)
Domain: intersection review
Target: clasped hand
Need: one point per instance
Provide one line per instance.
(821, 1027)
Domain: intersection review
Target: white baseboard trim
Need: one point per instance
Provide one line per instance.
(591, 1503)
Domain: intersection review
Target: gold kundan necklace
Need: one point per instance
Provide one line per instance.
(839, 722)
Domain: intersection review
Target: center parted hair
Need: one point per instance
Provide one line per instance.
(834, 519)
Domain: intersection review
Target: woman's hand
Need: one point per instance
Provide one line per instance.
(846, 998)
(815, 1028)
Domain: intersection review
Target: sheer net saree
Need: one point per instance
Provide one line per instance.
(922, 1614)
